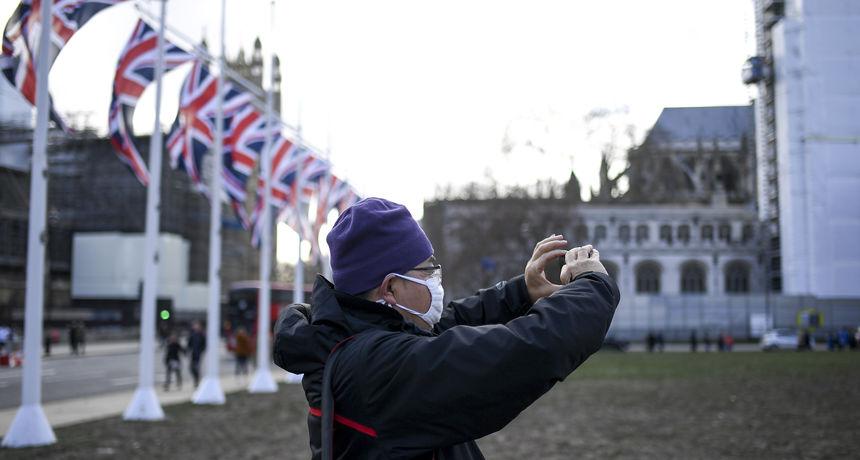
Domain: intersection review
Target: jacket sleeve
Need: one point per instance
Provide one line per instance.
(495, 305)
(429, 392)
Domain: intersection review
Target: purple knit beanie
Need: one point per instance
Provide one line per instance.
(371, 239)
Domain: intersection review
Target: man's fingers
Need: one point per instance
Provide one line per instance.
(540, 263)
(565, 274)
(582, 253)
(546, 246)
(595, 254)
(549, 238)
(571, 255)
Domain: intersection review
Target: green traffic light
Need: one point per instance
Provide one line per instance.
(165, 314)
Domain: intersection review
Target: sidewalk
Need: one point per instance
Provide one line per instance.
(72, 411)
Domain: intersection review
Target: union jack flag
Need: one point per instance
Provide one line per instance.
(134, 71)
(21, 40)
(193, 131)
(242, 150)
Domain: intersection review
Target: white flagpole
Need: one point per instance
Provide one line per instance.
(30, 426)
(299, 278)
(144, 404)
(210, 391)
(325, 260)
(263, 381)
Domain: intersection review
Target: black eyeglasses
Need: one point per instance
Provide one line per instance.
(431, 270)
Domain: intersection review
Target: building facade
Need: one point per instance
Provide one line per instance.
(809, 143)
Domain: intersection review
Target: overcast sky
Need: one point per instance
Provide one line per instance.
(412, 96)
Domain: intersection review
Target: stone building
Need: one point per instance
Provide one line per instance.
(684, 243)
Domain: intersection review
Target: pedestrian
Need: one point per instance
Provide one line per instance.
(730, 342)
(47, 341)
(844, 339)
(661, 342)
(5, 337)
(172, 360)
(831, 341)
(242, 351)
(721, 342)
(73, 338)
(196, 345)
(82, 337)
(650, 341)
(707, 341)
(403, 376)
(694, 343)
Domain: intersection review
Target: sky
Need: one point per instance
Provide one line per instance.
(410, 96)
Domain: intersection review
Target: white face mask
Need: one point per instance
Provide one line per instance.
(437, 293)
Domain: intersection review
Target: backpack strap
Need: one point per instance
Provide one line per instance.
(328, 416)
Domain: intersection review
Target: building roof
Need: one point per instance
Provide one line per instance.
(691, 124)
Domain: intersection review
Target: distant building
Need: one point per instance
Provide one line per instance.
(809, 143)
(684, 243)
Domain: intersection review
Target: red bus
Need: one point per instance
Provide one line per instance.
(242, 303)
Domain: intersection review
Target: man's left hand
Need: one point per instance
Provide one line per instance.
(546, 250)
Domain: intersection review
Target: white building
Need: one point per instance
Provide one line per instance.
(809, 142)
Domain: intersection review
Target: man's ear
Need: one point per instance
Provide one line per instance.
(386, 289)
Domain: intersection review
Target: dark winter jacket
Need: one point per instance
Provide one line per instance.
(400, 392)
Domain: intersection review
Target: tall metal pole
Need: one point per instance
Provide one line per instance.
(210, 391)
(144, 404)
(30, 426)
(301, 214)
(263, 381)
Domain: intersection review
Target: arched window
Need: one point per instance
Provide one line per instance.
(684, 233)
(737, 275)
(666, 233)
(747, 233)
(707, 233)
(692, 277)
(648, 277)
(641, 233)
(599, 233)
(725, 232)
(624, 233)
(612, 268)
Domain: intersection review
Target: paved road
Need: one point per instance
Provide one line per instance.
(78, 376)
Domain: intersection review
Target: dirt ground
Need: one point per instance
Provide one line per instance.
(634, 405)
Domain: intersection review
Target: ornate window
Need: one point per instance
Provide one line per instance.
(641, 233)
(648, 277)
(737, 275)
(707, 233)
(725, 232)
(624, 233)
(693, 277)
(599, 233)
(666, 233)
(684, 233)
(747, 233)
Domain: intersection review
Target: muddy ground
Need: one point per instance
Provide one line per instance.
(634, 405)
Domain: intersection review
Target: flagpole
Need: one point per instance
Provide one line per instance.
(299, 278)
(263, 381)
(144, 404)
(30, 427)
(210, 391)
(325, 260)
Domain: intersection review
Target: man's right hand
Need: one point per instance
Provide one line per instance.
(580, 260)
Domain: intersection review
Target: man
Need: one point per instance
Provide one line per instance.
(409, 378)
(195, 345)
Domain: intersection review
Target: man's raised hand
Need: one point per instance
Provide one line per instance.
(546, 250)
(580, 260)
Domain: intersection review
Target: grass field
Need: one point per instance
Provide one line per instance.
(617, 405)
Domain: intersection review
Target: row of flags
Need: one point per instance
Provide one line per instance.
(298, 173)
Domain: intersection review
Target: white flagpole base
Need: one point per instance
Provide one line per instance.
(29, 428)
(293, 378)
(209, 392)
(144, 406)
(263, 382)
